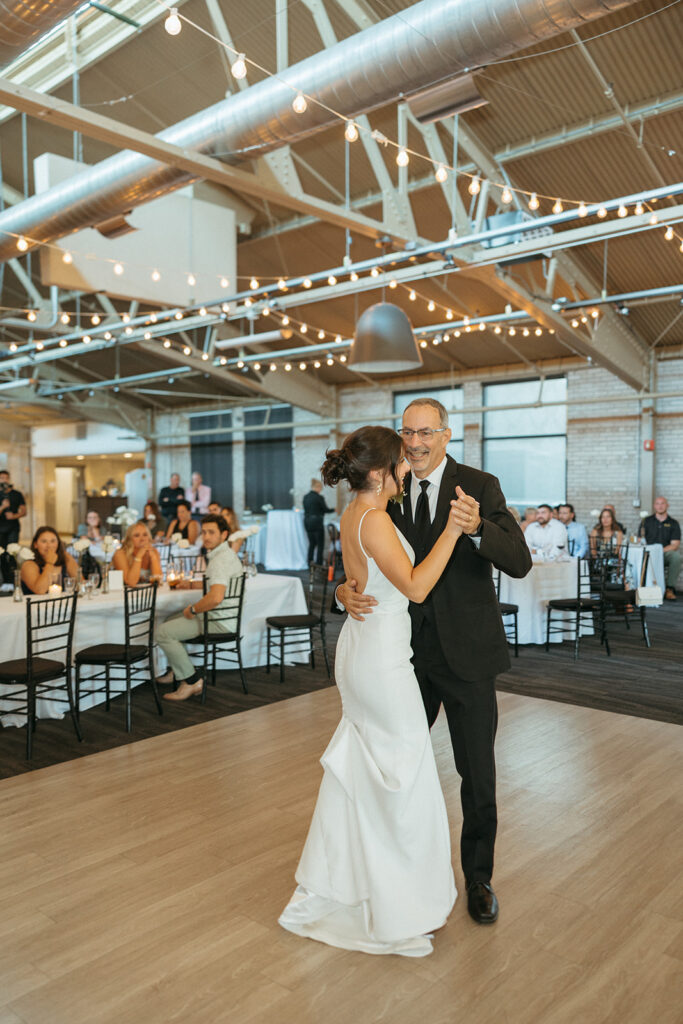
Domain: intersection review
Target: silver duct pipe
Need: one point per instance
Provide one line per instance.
(428, 43)
(22, 22)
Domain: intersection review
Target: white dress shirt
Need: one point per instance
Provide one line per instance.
(553, 534)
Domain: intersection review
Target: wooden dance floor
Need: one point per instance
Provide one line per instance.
(142, 885)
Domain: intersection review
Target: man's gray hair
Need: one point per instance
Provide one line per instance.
(433, 404)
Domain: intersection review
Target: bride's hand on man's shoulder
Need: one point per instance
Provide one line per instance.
(357, 605)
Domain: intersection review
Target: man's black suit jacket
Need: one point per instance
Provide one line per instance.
(464, 599)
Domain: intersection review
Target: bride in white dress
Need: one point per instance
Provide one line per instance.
(375, 874)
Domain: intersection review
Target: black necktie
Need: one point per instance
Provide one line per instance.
(422, 517)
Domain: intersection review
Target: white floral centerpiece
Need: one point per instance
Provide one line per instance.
(109, 544)
(183, 543)
(124, 517)
(175, 537)
(82, 544)
(244, 534)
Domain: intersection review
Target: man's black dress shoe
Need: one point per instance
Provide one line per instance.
(482, 903)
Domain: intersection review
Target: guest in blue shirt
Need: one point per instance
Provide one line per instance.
(576, 533)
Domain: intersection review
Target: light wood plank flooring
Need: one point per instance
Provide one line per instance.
(141, 885)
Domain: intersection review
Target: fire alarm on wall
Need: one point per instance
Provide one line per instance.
(649, 445)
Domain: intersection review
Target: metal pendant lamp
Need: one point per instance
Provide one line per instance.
(384, 341)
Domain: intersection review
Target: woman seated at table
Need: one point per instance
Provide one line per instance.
(529, 516)
(152, 516)
(184, 524)
(50, 559)
(92, 528)
(233, 522)
(137, 557)
(605, 536)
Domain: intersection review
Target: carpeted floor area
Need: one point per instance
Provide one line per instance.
(633, 681)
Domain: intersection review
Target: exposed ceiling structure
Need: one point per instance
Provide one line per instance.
(585, 115)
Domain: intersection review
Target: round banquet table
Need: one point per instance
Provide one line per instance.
(545, 582)
(100, 620)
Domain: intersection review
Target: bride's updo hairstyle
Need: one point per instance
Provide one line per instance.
(362, 451)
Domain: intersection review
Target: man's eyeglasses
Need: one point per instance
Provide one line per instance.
(425, 434)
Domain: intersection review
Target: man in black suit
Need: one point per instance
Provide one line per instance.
(315, 508)
(458, 640)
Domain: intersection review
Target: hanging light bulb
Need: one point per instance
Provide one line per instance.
(205, 356)
(248, 303)
(253, 284)
(147, 335)
(108, 335)
(638, 209)
(317, 364)
(202, 311)
(118, 268)
(393, 283)
(423, 344)
(482, 327)
(506, 195)
(191, 280)
(239, 67)
(226, 307)
(63, 343)
(449, 314)
(304, 328)
(67, 258)
(95, 319)
(557, 206)
(224, 282)
(265, 311)
(669, 233)
(353, 276)
(307, 283)
(525, 332)
(332, 280)
(22, 244)
(329, 360)
(583, 210)
(257, 366)
(282, 284)
(125, 317)
(412, 296)
(595, 313)
(342, 359)
(431, 306)
(178, 315)
(402, 158)
(302, 366)
(654, 219)
(374, 272)
(497, 329)
(602, 213)
(456, 334)
(173, 23)
(441, 174)
(575, 322)
(187, 350)
(351, 131)
(13, 347)
(40, 346)
(288, 367)
(533, 201)
(321, 335)
(474, 187)
(446, 337)
(512, 332)
(167, 343)
(299, 106)
(31, 316)
(128, 330)
(156, 276)
(285, 321)
(622, 211)
(538, 332)
(64, 318)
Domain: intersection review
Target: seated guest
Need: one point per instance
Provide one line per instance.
(315, 508)
(222, 565)
(214, 508)
(529, 517)
(198, 495)
(545, 533)
(184, 524)
(233, 522)
(92, 527)
(50, 557)
(169, 498)
(661, 528)
(606, 535)
(576, 533)
(137, 557)
(152, 516)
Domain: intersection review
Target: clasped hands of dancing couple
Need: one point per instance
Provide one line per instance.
(423, 630)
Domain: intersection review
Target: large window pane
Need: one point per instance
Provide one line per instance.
(530, 470)
(212, 455)
(268, 468)
(452, 398)
(526, 422)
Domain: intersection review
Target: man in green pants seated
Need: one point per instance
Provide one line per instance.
(222, 565)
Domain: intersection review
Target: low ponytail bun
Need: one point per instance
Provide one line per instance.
(334, 469)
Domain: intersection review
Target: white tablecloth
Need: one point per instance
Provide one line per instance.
(655, 568)
(547, 581)
(286, 540)
(100, 620)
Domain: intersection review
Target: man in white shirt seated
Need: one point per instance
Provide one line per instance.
(576, 533)
(546, 533)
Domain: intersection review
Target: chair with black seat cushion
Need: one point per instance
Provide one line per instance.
(49, 631)
(587, 604)
(221, 643)
(508, 611)
(126, 661)
(619, 598)
(285, 632)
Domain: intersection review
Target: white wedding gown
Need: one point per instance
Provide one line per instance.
(375, 874)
